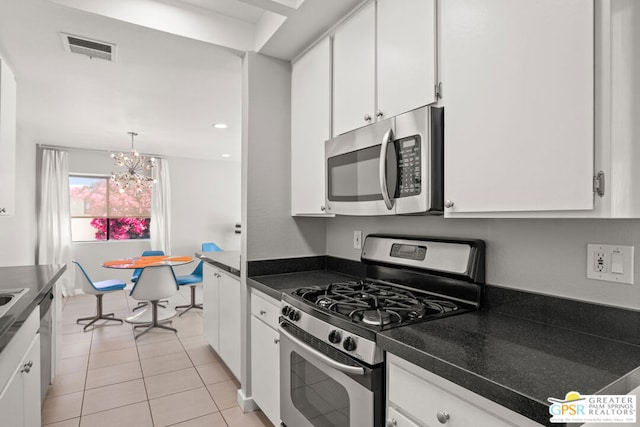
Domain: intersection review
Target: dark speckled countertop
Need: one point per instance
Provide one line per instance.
(38, 279)
(274, 284)
(515, 362)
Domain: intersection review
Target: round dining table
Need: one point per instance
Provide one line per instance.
(144, 316)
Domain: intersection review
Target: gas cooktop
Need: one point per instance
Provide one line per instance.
(376, 304)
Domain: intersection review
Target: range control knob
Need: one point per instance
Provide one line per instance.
(294, 315)
(349, 344)
(286, 310)
(335, 337)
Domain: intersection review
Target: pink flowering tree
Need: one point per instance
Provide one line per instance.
(125, 216)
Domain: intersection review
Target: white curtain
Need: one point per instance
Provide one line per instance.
(161, 208)
(54, 227)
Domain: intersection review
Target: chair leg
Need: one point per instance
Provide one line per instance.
(192, 304)
(99, 315)
(154, 321)
(142, 304)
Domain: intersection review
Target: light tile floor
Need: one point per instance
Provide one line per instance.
(107, 378)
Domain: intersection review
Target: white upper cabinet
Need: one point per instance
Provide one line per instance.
(7, 139)
(310, 128)
(384, 62)
(354, 71)
(518, 91)
(406, 52)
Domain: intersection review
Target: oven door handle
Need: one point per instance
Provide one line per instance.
(388, 136)
(354, 370)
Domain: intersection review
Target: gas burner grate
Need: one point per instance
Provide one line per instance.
(375, 304)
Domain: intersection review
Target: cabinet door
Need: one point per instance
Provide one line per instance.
(7, 139)
(230, 323)
(353, 71)
(265, 369)
(210, 307)
(518, 91)
(310, 128)
(11, 399)
(406, 55)
(31, 384)
(20, 398)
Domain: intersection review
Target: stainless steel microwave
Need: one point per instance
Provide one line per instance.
(392, 167)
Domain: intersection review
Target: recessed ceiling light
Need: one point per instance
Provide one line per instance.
(226, 155)
(220, 125)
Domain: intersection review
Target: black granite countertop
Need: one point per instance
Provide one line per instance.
(38, 280)
(228, 261)
(274, 284)
(515, 362)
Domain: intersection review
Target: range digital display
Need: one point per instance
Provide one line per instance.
(414, 252)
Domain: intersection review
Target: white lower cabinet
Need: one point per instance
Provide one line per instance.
(221, 311)
(265, 355)
(20, 376)
(417, 397)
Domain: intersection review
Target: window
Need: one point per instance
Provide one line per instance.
(100, 212)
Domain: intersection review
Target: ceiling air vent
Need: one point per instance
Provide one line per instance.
(88, 47)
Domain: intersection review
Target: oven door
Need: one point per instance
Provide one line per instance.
(318, 390)
(361, 171)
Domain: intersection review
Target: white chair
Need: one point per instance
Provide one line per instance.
(98, 289)
(154, 284)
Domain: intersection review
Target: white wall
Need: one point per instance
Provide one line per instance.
(540, 255)
(18, 232)
(271, 231)
(205, 196)
(205, 199)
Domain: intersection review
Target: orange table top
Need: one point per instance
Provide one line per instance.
(147, 261)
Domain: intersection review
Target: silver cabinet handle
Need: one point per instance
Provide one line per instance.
(443, 417)
(27, 367)
(354, 370)
(392, 422)
(379, 114)
(322, 208)
(276, 340)
(383, 169)
(367, 118)
(448, 204)
(262, 312)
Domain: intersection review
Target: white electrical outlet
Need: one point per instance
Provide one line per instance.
(600, 266)
(613, 263)
(357, 239)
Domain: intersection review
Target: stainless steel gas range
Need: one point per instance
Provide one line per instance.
(331, 369)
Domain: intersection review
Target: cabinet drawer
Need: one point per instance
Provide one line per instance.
(265, 308)
(396, 419)
(427, 397)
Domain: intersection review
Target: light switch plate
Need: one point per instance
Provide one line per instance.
(613, 263)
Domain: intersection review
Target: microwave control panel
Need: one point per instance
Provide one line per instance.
(410, 175)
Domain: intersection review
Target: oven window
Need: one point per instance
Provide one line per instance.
(322, 400)
(354, 176)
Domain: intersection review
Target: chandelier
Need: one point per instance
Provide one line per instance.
(137, 170)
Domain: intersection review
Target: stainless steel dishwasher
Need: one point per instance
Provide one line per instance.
(46, 337)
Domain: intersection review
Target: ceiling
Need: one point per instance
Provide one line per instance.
(177, 68)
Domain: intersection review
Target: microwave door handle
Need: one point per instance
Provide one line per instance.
(386, 139)
(353, 370)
